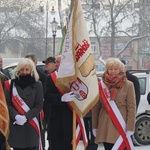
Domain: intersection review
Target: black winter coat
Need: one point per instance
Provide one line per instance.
(59, 114)
(136, 84)
(25, 135)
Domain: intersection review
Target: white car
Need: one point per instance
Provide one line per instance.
(142, 125)
(10, 68)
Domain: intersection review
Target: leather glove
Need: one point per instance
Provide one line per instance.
(129, 133)
(68, 97)
(94, 132)
(20, 119)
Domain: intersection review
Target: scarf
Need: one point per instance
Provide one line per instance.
(114, 83)
(24, 81)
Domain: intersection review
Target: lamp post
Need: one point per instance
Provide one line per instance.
(47, 7)
(47, 20)
(54, 25)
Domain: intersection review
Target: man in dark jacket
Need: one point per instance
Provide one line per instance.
(135, 81)
(49, 65)
(49, 68)
(148, 98)
(60, 115)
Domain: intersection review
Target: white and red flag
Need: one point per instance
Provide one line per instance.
(4, 116)
(77, 70)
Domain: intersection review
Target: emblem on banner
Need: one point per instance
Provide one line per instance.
(79, 89)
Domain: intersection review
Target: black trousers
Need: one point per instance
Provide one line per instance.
(43, 138)
(108, 146)
(2, 142)
(88, 127)
(60, 145)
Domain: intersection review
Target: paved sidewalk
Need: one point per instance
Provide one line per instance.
(81, 147)
(100, 147)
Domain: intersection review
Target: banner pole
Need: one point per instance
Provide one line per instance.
(74, 131)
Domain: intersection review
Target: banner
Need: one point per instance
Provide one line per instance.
(77, 69)
(4, 116)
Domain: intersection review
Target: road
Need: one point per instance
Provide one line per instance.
(80, 147)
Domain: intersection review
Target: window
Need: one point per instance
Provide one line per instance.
(93, 46)
(142, 82)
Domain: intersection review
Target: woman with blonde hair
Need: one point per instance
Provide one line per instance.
(24, 96)
(25, 62)
(113, 117)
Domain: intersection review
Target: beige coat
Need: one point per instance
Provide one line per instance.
(126, 103)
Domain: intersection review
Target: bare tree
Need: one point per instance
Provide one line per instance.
(143, 35)
(21, 21)
(92, 16)
(107, 17)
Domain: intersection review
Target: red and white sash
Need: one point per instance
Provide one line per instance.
(22, 108)
(115, 115)
(80, 130)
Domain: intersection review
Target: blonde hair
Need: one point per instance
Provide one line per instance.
(21, 64)
(111, 62)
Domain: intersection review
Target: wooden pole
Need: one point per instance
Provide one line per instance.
(74, 131)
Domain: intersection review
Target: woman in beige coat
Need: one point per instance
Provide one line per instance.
(117, 98)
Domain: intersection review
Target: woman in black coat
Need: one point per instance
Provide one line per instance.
(24, 96)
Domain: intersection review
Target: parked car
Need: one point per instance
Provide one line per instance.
(142, 126)
(10, 68)
(8, 61)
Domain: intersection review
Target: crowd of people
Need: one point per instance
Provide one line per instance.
(32, 93)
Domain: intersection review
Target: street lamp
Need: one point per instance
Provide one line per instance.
(47, 20)
(54, 25)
